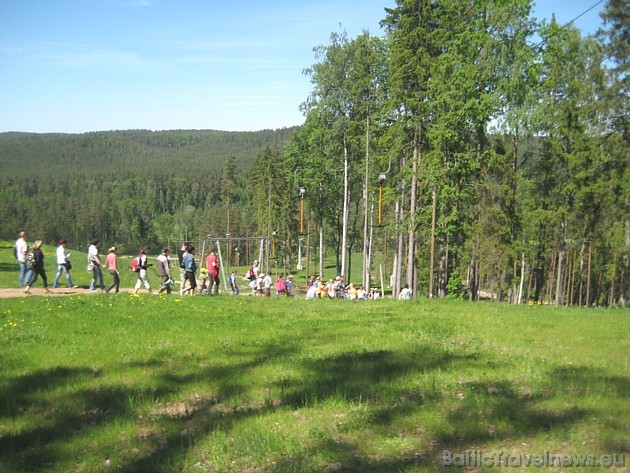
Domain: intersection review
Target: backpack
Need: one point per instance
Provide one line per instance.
(161, 267)
(251, 275)
(135, 264)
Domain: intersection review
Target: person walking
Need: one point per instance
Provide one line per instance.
(112, 263)
(213, 273)
(95, 265)
(164, 271)
(63, 264)
(143, 274)
(232, 283)
(190, 267)
(254, 276)
(182, 271)
(21, 252)
(38, 268)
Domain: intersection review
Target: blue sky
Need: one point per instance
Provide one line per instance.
(75, 66)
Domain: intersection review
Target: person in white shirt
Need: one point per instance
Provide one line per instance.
(405, 293)
(21, 252)
(143, 275)
(96, 266)
(266, 284)
(63, 264)
(164, 271)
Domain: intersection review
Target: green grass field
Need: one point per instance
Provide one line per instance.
(122, 383)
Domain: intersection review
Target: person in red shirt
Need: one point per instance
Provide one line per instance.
(212, 265)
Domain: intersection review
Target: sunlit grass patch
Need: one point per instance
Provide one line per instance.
(148, 383)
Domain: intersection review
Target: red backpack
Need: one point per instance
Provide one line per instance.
(135, 264)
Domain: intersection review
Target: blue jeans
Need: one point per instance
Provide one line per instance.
(214, 281)
(115, 283)
(23, 273)
(60, 269)
(97, 274)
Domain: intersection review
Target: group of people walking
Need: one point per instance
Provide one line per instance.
(31, 263)
(209, 280)
(31, 266)
(140, 265)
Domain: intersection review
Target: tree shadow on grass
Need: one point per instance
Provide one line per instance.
(56, 415)
(361, 376)
(484, 411)
(9, 268)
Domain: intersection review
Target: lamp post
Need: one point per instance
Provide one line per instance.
(381, 181)
(302, 194)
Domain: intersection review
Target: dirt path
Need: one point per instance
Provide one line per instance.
(64, 291)
(60, 291)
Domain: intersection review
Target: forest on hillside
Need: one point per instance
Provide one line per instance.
(128, 188)
(471, 152)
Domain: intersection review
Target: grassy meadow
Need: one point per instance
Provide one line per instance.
(123, 383)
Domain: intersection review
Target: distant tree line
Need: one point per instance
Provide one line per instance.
(131, 188)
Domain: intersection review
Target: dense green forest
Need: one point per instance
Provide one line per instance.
(471, 151)
(475, 151)
(129, 188)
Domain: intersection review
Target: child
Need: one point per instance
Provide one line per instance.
(288, 285)
(280, 286)
(232, 283)
(203, 278)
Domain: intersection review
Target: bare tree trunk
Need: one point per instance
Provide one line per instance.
(522, 284)
(443, 272)
(572, 292)
(432, 262)
(411, 237)
(566, 279)
(308, 249)
(398, 255)
(366, 184)
(588, 277)
(552, 273)
(513, 292)
(472, 279)
(367, 284)
(321, 249)
(612, 299)
(625, 270)
(561, 259)
(346, 199)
